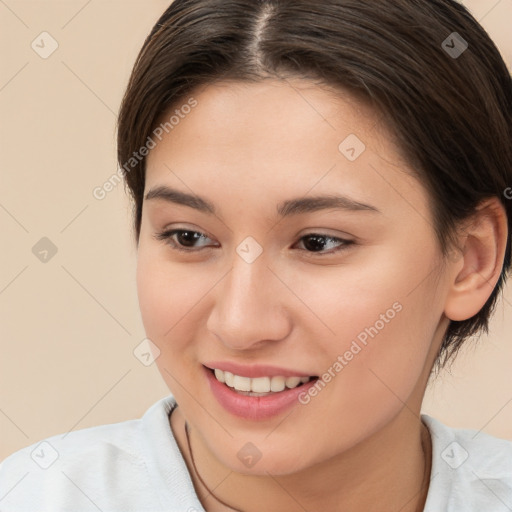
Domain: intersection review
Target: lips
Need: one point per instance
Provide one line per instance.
(256, 405)
(254, 370)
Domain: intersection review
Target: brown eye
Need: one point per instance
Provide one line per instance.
(182, 239)
(316, 243)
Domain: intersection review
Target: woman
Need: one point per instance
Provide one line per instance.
(321, 217)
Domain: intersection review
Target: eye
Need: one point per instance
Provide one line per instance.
(181, 239)
(185, 239)
(316, 242)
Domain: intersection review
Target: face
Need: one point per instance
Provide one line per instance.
(272, 284)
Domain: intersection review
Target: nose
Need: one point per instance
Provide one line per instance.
(250, 306)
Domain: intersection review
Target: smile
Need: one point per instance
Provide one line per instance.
(259, 386)
(259, 397)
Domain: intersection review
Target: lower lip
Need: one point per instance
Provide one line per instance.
(255, 407)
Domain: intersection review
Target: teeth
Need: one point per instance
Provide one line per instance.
(277, 384)
(242, 383)
(259, 384)
(228, 378)
(293, 382)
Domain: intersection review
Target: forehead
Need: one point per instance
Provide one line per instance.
(255, 112)
(274, 138)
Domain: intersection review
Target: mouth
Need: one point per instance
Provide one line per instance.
(259, 386)
(262, 393)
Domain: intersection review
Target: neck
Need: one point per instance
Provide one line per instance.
(390, 469)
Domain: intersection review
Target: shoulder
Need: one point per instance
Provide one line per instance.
(107, 467)
(471, 470)
(73, 468)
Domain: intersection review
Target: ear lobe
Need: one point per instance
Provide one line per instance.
(478, 268)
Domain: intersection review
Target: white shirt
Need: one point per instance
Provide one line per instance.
(136, 466)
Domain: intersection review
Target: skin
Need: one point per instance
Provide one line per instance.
(358, 445)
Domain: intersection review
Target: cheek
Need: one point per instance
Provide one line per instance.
(383, 337)
(384, 329)
(173, 303)
(384, 320)
(166, 300)
(166, 297)
(154, 298)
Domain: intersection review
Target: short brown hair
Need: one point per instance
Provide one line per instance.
(427, 66)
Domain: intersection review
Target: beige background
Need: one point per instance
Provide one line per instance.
(69, 326)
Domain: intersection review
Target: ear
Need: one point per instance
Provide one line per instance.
(477, 270)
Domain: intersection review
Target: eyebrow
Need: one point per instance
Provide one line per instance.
(287, 208)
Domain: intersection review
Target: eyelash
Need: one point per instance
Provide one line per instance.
(166, 236)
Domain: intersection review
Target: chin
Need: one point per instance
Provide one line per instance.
(276, 461)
